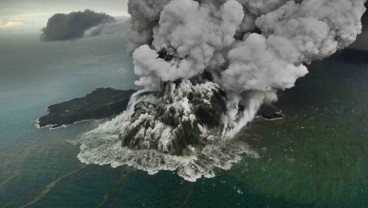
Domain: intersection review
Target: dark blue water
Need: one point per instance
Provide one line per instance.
(315, 157)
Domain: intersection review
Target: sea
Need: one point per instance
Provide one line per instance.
(315, 157)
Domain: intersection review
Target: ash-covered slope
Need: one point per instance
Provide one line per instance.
(178, 119)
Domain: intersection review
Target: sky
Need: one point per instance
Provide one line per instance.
(32, 15)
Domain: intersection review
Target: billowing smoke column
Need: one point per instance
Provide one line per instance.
(206, 67)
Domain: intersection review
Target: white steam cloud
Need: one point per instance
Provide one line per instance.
(249, 49)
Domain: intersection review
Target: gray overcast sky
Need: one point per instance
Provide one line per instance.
(32, 15)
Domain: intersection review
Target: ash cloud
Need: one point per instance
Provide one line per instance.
(207, 66)
(75, 25)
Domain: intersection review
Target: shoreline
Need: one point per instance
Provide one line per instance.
(101, 103)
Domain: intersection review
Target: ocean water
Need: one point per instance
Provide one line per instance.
(315, 157)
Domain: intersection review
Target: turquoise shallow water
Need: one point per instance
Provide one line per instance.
(315, 157)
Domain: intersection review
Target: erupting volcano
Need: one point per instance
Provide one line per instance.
(206, 68)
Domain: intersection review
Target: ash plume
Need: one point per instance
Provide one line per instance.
(62, 27)
(206, 67)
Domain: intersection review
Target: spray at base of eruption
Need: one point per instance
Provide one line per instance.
(103, 146)
(207, 67)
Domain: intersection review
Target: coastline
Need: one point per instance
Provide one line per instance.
(101, 103)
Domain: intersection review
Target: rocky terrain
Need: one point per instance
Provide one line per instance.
(101, 103)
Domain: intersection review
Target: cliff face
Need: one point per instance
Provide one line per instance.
(181, 118)
(101, 103)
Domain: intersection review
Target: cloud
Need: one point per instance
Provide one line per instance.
(62, 27)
